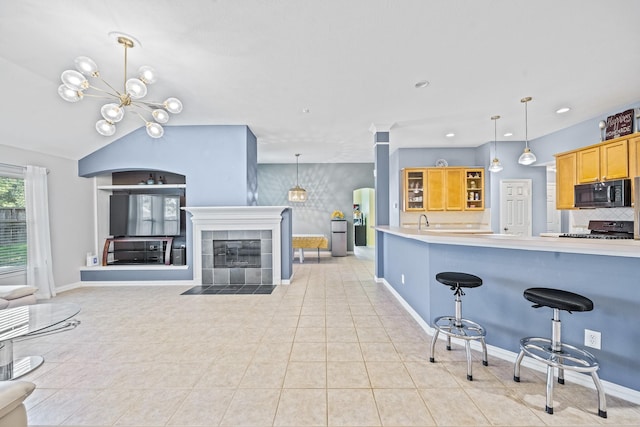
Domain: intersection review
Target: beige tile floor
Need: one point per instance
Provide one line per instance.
(332, 349)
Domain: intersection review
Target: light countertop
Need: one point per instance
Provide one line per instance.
(547, 243)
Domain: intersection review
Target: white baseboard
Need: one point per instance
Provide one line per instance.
(611, 389)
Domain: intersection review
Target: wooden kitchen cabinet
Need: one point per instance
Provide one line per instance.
(614, 159)
(445, 189)
(565, 180)
(474, 189)
(413, 189)
(603, 162)
(436, 181)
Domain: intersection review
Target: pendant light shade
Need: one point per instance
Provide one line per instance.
(495, 166)
(527, 157)
(297, 193)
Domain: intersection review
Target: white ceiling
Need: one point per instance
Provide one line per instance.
(352, 63)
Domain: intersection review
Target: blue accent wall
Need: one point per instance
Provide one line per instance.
(214, 159)
(610, 282)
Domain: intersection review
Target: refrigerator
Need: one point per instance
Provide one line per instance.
(339, 237)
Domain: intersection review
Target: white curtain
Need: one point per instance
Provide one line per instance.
(39, 265)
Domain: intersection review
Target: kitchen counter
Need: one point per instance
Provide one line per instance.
(548, 242)
(606, 271)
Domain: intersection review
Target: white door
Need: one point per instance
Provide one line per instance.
(553, 214)
(515, 207)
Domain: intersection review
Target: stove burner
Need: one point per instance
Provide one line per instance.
(599, 229)
(597, 236)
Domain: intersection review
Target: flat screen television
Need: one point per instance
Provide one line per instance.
(142, 215)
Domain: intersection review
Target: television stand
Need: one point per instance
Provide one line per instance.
(137, 250)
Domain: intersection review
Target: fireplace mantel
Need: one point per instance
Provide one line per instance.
(219, 218)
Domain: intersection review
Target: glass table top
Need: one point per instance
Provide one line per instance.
(21, 321)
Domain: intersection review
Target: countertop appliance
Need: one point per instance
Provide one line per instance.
(338, 237)
(607, 194)
(606, 230)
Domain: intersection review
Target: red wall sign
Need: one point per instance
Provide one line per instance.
(620, 124)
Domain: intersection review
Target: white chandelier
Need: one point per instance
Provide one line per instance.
(130, 98)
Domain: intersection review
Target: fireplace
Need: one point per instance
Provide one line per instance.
(238, 225)
(237, 257)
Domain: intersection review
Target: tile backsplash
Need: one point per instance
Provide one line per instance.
(579, 219)
(454, 219)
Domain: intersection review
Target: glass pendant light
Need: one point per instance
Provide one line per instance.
(297, 193)
(527, 157)
(495, 166)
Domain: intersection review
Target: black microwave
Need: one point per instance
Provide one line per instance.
(608, 194)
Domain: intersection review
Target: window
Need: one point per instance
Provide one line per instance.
(13, 222)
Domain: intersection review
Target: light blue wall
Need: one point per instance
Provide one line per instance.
(214, 159)
(329, 187)
(499, 305)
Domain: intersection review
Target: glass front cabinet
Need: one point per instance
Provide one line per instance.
(414, 184)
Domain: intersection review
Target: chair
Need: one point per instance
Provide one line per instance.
(12, 395)
(456, 326)
(552, 351)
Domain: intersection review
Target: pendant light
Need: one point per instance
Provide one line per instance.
(496, 166)
(527, 157)
(297, 193)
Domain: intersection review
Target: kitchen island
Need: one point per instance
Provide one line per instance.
(606, 271)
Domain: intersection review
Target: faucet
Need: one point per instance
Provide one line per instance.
(426, 221)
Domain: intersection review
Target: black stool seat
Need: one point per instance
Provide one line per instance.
(462, 280)
(556, 298)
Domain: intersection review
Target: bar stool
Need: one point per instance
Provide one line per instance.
(552, 351)
(456, 326)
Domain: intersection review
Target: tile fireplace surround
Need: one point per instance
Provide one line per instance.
(233, 219)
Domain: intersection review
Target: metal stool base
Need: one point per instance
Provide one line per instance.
(464, 329)
(569, 357)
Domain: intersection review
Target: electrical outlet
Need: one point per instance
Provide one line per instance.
(592, 338)
(402, 278)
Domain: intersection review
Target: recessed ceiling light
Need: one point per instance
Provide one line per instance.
(508, 134)
(562, 110)
(421, 84)
(450, 135)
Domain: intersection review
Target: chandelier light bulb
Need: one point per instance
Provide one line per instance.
(86, 66)
(147, 74)
(69, 94)
(136, 88)
(74, 80)
(173, 105)
(105, 128)
(154, 130)
(160, 115)
(112, 112)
